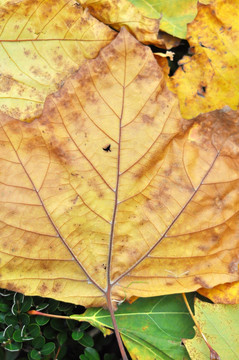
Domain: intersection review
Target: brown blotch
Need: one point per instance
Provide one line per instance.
(59, 59)
(44, 265)
(27, 52)
(150, 204)
(30, 30)
(154, 160)
(13, 287)
(168, 172)
(69, 22)
(233, 266)
(58, 152)
(91, 97)
(5, 245)
(147, 119)
(43, 288)
(215, 238)
(96, 269)
(99, 66)
(203, 248)
(95, 186)
(143, 221)
(75, 199)
(57, 287)
(200, 281)
(6, 83)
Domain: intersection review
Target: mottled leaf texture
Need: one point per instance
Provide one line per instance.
(223, 294)
(151, 328)
(118, 13)
(174, 15)
(110, 191)
(219, 323)
(209, 79)
(42, 42)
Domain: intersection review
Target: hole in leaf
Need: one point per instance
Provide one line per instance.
(202, 91)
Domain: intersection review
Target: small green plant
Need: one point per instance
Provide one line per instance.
(29, 337)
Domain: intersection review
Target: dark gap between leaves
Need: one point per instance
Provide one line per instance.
(179, 51)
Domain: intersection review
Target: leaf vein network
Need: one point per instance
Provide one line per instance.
(13, 61)
(29, 18)
(93, 167)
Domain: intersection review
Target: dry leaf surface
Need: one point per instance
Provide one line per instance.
(223, 294)
(42, 42)
(110, 190)
(119, 13)
(208, 80)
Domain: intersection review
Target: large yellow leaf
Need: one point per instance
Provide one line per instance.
(42, 42)
(111, 192)
(209, 79)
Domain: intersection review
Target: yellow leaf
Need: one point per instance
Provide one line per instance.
(42, 42)
(112, 193)
(223, 294)
(209, 79)
(118, 13)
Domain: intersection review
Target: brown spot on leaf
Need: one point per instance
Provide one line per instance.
(233, 266)
(14, 287)
(203, 248)
(6, 83)
(59, 153)
(27, 52)
(43, 288)
(75, 199)
(215, 238)
(57, 287)
(154, 159)
(147, 119)
(200, 281)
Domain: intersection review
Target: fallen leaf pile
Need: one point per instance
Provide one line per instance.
(109, 192)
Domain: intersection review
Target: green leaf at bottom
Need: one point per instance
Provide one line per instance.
(151, 328)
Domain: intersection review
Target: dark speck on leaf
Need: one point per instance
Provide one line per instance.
(107, 148)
